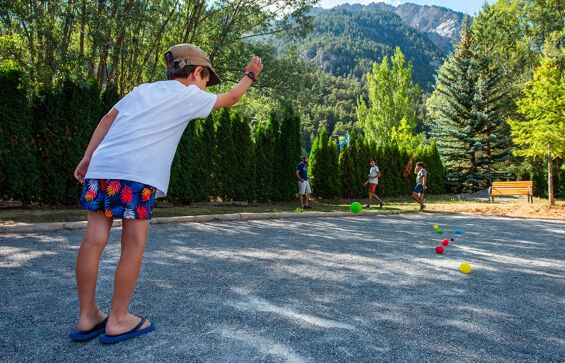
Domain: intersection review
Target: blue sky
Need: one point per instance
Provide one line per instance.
(465, 6)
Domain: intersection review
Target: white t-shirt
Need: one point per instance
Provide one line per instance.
(142, 141)
(374, 171)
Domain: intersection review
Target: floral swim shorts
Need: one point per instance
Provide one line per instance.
(118, 198)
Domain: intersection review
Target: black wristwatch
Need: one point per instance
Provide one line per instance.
(251, 75)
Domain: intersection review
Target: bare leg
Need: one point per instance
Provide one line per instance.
(377, 198)
(134, 236)
(307, 196)
(370, 199)
(301, 201)
(416, 198)
(421, 198)
(91, 248)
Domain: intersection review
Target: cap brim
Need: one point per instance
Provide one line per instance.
(214, 79)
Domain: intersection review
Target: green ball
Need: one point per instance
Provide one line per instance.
(356, 207)
(440, 231)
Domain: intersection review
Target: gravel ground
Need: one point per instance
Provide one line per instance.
(321, 290)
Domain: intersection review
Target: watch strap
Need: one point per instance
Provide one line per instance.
(248, 75)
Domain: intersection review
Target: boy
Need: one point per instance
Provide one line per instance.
(373, 181)
(303, 183)
(421, 180)
(126, 165)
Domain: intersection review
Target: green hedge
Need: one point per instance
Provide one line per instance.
(18, 163)
(42, 141)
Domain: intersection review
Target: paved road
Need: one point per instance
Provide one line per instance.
(325, 290)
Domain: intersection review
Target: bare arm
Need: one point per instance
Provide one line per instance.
(233, 96)
(424, 180)
(101, 131)
(95, 140)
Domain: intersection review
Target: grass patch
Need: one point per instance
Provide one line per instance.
(513, 207)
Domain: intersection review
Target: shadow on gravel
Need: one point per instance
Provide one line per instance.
(353, 289)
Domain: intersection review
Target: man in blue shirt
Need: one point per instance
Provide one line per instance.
(303, 184)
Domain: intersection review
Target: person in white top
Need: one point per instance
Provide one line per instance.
(373, 182)
(126, 165)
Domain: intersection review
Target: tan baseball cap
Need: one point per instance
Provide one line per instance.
(191, 55)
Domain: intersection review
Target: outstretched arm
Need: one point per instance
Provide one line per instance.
(233, 96)
(95, 140)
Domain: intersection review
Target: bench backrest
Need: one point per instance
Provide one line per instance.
(524, 187)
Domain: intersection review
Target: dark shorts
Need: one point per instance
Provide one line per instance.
(419, 189)
(118, 198)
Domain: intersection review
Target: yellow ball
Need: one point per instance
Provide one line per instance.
(436, 227)
(465, 267)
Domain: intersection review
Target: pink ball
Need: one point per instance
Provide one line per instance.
(439, 250)
(445, 242)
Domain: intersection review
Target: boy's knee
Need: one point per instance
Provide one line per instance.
(98, 240)
(133, 242)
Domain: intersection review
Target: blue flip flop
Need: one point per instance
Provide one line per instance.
(110, 339)
(81, 336)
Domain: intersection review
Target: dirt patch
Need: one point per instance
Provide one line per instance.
(508, 210)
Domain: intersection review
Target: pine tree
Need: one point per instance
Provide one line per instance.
(468, 111)
(324, 166)
(288, 152)
(18, 164)
(264, 162)
(183, 168)
(225, 159)
(207, 134)
(243, 173)
(316, 162)
(346, 170)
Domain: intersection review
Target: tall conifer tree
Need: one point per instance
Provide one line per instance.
(468, 115)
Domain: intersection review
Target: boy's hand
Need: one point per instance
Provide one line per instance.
(81, 169)
(254, 66)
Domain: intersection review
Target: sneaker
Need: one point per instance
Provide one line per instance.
(381, 204)
(368, 206)
(307, 207)
(422, 207)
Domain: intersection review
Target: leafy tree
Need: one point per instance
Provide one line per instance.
(540, 133)
(124, 41)
(392, 98)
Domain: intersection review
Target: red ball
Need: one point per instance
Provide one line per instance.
(439, 250)
(445, 242)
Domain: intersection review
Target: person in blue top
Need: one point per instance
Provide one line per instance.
(303, 184)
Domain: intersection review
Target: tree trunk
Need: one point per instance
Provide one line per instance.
(550, 193)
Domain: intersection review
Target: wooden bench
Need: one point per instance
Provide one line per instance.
(525, 187)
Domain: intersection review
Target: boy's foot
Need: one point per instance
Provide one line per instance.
(144, 326)
(381, 204)
(422, 206)
(81, 335)
(86, 323)
(124, 325)
(307, 207)
(368, 206)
